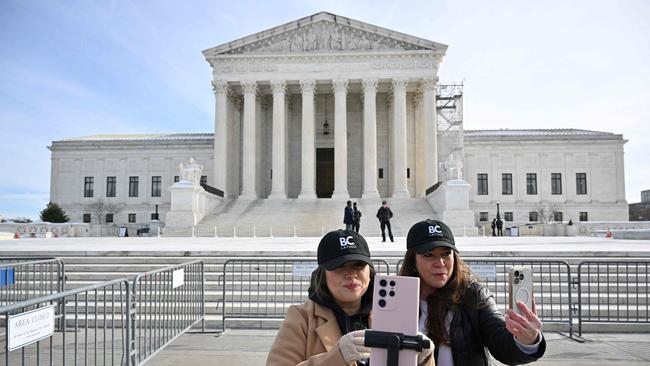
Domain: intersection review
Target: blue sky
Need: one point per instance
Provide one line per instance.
(75, 68)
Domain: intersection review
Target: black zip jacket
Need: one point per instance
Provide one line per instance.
(477, 324)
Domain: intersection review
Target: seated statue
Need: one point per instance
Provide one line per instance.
(453, 167)
(191, 172)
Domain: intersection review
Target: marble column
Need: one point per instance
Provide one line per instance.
(340, 88)
(430, 119)
(400, 188)
(308, 145)
(370, 138)
(220, 173)
(278, 184)
(248, 141)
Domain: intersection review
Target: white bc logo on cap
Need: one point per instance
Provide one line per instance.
(434, 230)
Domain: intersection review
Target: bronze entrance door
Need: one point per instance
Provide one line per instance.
(324, 172)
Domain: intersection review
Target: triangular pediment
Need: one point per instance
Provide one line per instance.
(324, 32)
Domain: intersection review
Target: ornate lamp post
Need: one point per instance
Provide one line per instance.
(498, 214)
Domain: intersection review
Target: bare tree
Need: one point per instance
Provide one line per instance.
(99, 209)
(545, 213)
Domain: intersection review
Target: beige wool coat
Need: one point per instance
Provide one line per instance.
(308, 336)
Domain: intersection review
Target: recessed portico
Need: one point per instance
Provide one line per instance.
(283, 85)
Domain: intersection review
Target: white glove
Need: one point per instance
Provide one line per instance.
(352, 348)
(423, 356)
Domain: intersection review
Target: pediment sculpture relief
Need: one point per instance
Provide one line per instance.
(324, 36)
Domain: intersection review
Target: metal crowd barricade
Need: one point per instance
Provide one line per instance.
(255, 289)
(167, 302)
(95, 323)
(613, 291)
(551, 281)
(23, 278)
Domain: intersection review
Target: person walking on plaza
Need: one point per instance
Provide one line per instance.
(494, 227)
(356, 218)
(329, 328)
(347, 216)
(384, 214)
(458, 313)
(499, 227)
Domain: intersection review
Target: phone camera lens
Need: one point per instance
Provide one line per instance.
(516, 273)
(516, 280)
(382, 293)
(382, 303)
(521, 277)
(392, 283)
(392, 293)
(382, 283)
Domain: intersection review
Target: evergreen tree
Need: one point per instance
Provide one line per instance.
(53, 213)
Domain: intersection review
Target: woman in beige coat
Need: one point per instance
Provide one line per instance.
(329, 328)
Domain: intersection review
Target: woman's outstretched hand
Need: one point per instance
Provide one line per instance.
(526, 328)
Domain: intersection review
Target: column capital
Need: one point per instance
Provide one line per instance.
(369, 85)
(249, 86)
(308, 86)
(340, 85)
(220, 87)
(278, 86)
(399, 84)
(429, 83)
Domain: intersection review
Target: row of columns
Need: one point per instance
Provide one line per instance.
(308, 147)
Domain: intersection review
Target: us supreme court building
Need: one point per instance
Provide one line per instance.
(331, 108)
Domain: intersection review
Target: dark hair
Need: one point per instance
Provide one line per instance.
(319, 282)
(443, 299)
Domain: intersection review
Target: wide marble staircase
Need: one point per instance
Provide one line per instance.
(302, 217)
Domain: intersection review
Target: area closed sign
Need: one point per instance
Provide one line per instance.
(30, 327)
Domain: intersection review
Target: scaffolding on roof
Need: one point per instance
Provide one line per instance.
(449, 105)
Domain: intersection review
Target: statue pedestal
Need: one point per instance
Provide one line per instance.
(450, 203)
(189, 205)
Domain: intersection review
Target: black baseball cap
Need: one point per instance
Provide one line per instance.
(341, 246)
(429, 234)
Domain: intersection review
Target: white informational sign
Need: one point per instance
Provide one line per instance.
(32, 326)
(304, 269)
(485, 271)
(178, 278)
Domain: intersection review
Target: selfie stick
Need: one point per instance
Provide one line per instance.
(394, 342)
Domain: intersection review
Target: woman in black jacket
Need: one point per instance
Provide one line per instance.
(458, 313)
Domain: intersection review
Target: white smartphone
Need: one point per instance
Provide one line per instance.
(521, 287)
(395, 308)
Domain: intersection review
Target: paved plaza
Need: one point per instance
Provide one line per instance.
(250, 347)
(306, 246)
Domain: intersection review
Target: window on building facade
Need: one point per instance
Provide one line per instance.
(156, 184)
(531, 183)
(645, 196)
(380, 174)
(506, 183)
(532, 216)
(408, 173)
(483, 216)
(176, 178)
(89, 189)
(556, 183)
(133, 186)
(557, 216)
(86, 218)
(482, 186)
(581, 183)
(111, 183)
(131, 217)
(204, 180)
(109, 218)
(507, 216)
(584, 216)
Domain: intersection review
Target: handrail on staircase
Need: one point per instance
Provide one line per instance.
(212, 190)
(432, 188)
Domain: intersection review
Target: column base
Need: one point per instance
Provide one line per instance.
(247, 196)
(307, 195)
(370, 194)
(401, 194)
(340, 195)
(277, 195)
